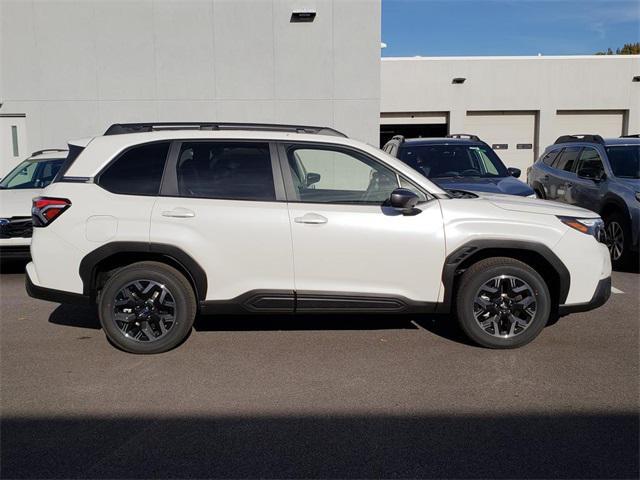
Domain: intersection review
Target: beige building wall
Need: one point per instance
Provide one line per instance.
(72, 68)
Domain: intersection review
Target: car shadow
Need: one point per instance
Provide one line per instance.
(11, 265)
(441, 325)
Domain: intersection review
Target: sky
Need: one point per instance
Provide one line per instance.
(507, 27)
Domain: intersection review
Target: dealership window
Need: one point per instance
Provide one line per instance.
(325, 175)
(138, 171)
(225, 170)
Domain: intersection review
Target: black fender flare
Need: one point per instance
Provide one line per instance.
(473, 247)
(197, 275)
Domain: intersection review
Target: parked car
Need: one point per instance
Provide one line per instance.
(602, 175)
(17, 189)
(157, 225)
(459, 162)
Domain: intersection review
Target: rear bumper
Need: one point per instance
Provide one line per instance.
(51, 295)
(600, 297)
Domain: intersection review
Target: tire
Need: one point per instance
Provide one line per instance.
(520, 292)
(147, 307)
(618, 237)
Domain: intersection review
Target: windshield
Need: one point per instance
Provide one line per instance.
(625, 161)
(438, 161)
(32, 174)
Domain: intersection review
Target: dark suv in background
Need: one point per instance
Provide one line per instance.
(602, 175)
(459, 162)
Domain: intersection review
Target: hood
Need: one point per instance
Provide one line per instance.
(17, 203)
(507, 185)
(534, 205)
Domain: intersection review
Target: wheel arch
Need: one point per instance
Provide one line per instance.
(612, 204)
(96, 265)
(537, 255)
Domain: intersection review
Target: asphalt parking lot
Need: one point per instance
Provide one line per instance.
(318, 397)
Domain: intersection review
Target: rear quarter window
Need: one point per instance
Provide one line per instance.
(137, 171)
(549, 158)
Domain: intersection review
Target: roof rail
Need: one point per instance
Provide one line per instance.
(464, 135)
(580, 137)
(635, 135)
(40, 152)
(120, 128)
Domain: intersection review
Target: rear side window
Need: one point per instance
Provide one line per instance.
(568, 158)
(224, 170)
(138, 171)
(550, 157)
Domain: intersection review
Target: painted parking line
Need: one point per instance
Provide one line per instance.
(615, 290)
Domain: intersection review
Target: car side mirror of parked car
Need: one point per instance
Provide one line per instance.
(591, 174)
(312, 178)
(404, 200)
(514, 172)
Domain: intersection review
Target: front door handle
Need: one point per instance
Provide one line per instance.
(311, 218)
(179, 212)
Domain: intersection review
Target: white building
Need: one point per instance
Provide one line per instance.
(518, 104)
(71, 68)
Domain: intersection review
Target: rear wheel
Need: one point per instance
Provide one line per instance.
(618, 239)
(502, 303)
(147, 307)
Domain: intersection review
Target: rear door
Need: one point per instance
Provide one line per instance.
(563, 176)
(222, 202)
(350, 250)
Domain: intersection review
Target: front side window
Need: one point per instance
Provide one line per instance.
(442, 161)
(625, 160)
(30, 174)
(138, 171)
(324, 175)
(590, 160)
(225, 170)
(567, 159)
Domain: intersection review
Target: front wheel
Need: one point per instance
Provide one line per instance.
(502, 303)
(147, 307)
(618, 238)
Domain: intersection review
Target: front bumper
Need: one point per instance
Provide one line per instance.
(600, 297)
(52, 295)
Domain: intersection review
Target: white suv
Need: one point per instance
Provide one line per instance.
(157, 222)
(17, 189)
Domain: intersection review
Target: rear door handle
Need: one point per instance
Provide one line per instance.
(179, 212)
(311, 218)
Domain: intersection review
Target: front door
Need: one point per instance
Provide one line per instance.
(347, 245)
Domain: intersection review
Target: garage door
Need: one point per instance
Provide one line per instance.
(511, 134)
(607, 123)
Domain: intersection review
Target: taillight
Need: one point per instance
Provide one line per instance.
(46, 209)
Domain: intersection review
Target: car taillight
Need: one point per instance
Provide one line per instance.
(46, 209)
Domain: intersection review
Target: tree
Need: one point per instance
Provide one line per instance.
(627, 49)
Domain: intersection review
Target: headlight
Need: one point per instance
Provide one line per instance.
(533, 195)
(590, 226)
(638, 196)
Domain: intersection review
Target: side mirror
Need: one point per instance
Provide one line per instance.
(514, 172)
(312, 178)
(591, 174)
(404, 200)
